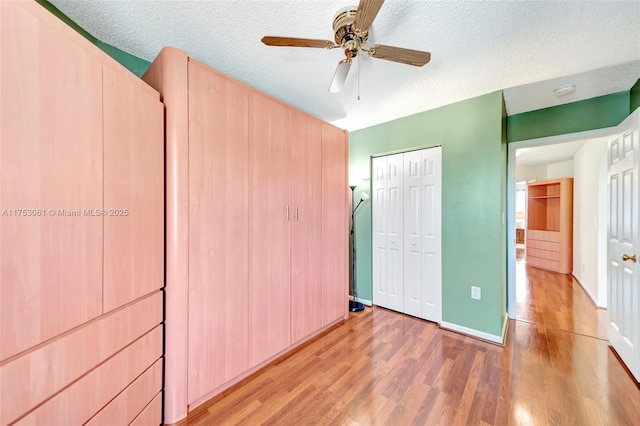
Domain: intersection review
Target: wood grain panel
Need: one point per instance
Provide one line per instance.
(168, 75)
(132, 400)
(133, 191)
(151, 415)
(218, 230)
(32, 378)
(269, 227)
(50, 158)
(335, 222)
(306, 226)
(101, 385)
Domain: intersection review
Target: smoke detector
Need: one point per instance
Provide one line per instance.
(565, 90)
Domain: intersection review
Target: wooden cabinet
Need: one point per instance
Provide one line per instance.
(51, 158)
(218, 230)
(550, 225)
(269, 228)
(264, 231)
(307, 201)
(133, 190)
(335, 223)
(81, 231)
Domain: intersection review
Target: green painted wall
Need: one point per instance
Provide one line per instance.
(470, 133)
(134, 64)
(362, 220)
(594, 113)
(634, 95)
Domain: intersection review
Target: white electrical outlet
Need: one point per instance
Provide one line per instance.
(476, 293)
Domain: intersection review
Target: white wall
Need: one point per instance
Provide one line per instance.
(531, 172)
(561, 170)
(589, 216)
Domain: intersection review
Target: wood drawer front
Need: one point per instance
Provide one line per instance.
(543, 245)
(544, 235)
(543, 263)
(55, 369)
(131, 401)
(101, 385)
(151, 415)
(544, 254)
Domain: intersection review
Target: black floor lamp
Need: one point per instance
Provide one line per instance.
(354, 305)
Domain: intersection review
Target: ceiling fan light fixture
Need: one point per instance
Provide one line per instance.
(565, 90)
(340, 76)
(351, 33)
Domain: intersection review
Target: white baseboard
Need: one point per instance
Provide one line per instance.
(364, 301)
(475, 333)
(586, 290)
(505, 325)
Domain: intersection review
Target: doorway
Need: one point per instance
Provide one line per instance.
(589, 264)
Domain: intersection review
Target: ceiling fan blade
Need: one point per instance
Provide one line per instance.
(297, 42)
(399, 54)
(340, 76)
(366, 13)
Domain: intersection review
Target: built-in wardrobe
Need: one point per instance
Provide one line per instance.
(406, 232)
(257, 228)
(81, 230)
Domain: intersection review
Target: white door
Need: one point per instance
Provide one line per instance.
(422, 201)
(406, 221)
(379, 197)
(624, 295)
(413, 211)
(431, 170)
(388, 267)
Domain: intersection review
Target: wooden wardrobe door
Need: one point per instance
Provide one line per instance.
(218, 230)
(133, 190)
(306, 229)
(270, 215)
(50, 170)
(335, 224)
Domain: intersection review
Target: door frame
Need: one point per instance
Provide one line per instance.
(511, 201)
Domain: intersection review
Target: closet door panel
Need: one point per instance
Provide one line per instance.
(431, 235)
(335, 224)
(133, 191)
(412, 234)
(306, 226)
(50, 170)
(269, 227)
(379, 224)
(218, 234)
(395, 219)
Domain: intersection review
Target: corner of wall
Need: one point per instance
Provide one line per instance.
(634, 101)
(136, 65)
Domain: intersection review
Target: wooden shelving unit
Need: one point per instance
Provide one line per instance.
(550, 225)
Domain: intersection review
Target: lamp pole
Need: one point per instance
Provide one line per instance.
(354, 305)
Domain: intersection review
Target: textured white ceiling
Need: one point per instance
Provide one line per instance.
(477, 47)
(548, 154)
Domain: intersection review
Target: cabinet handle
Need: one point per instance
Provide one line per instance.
(626, 257)
(287, 213)
(296, 213)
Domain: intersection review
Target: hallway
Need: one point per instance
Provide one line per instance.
(385, 368)
(557, 301)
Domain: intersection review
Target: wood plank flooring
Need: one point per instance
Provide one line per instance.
(557, 301)
(385, 368)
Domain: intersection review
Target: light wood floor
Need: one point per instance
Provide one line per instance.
(557, 301)
(384, 368)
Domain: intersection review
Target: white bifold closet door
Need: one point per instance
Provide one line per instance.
(407, 257)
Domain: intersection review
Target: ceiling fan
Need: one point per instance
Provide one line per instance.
(351, 29)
